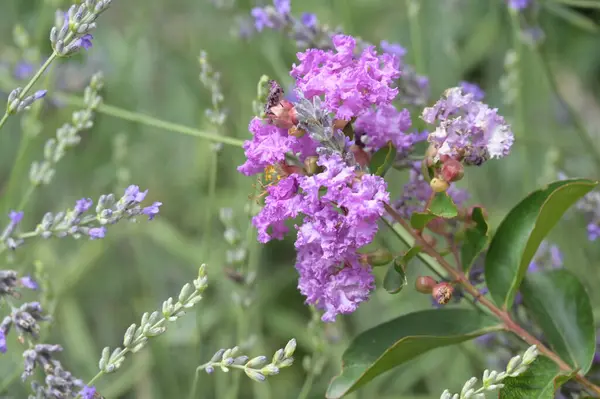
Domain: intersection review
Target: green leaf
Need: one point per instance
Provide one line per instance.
(442, 205)
(521, 232)
(540, 381)
(418, 220)
(571, 16)
(390, 344)
(580, 3)
(402, 261)
(561, 306)
(394, 280)
(476, 238)
(383, 159)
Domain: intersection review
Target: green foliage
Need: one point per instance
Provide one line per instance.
(390, 344)
(475, 241)
(561, 306)
(521, 232)
(540, 381)
(383, 159)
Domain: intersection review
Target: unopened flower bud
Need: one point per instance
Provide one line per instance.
(295, 131)
(310, 165)
(452, 170)
(442, 292)
(379, 257)
(425, 284)
(430, 155)
(283, 115)
(362, 158)
(439, 185)
(339, 124)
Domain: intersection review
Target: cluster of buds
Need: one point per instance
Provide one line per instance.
(441, 292)
(447, 170)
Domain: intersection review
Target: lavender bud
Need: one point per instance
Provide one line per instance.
(240, 360)
(217, 356)
(128, 337)
(278, 356)
(270, 369)
(185, 292)
(255, 375)
(257, 361)
(290, 348)
(286, 362)
(209, 369)
(104, 358)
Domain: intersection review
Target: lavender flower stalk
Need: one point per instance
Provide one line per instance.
(70, 33)
(152, 325)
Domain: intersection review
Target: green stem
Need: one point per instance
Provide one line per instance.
(415, 35)
(150, 121)
(588, 143)
(307, 386)
(30, 84)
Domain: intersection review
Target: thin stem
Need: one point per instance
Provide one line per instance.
(32, 81)
(150, 121)
(415, 35)
(584, 136)
(307, 386)
(501, 314)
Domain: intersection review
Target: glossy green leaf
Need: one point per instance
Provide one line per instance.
(442, 205)
(540, 381)
(394, 280)
(521, 232)
(383, 159)
(573, 17)
(561, 306)
(418, 220)
(476, 238)
(390, 344)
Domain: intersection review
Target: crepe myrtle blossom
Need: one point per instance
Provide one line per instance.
(466, 129)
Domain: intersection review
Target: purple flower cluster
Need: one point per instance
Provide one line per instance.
(386, 123)
(467, 130)
(339, 209)
(349, 85)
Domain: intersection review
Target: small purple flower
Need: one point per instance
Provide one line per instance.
(518, 4)
(283, 7)
(85, 41)
(472, 88)
(133, 194)
(87, 392)
(152, 210)
(2, 342)
(15, 217)
(97, 232)
(261, 18)
(39, 94)
(593, 230)
(29, 282)
(309, 20)
(83, 205)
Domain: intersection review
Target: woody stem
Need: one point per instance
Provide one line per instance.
(509, 325)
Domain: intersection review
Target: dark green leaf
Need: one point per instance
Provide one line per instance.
(580, 3)
(390, 344)
(383, 159)
(561, 306)
(394, 280)
(476, 239)
(540, 381)
(572, 16)
(418, 220)
(521, 232)
(442, 205)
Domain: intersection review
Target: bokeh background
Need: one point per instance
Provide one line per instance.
(148, 51)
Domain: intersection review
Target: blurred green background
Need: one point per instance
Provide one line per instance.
(148, 51)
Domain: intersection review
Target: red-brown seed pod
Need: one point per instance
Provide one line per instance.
(362, 158)
(442, 292)
(283, 114)
(452, 170)
(339, 124)
(439, 185)
(425, 284)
